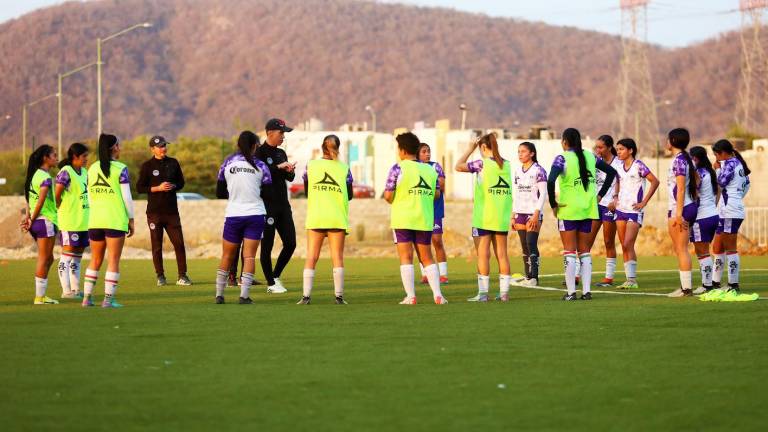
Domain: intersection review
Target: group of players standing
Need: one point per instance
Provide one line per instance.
(604, 189)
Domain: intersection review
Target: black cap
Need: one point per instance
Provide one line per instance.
(157, 140)
(277, 124)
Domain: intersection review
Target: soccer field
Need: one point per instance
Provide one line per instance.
(172, 360)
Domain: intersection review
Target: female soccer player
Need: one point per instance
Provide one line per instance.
(72, 200)
(40, 217)
(241, 181)
(682, 182)
(733, 178)
(529, 197)
(606, 208)
(632, 200)
(328, 185)
(491, 212)
(411, 188)
(703, 230)
(110, 219)
(425, 155)
(577, 207)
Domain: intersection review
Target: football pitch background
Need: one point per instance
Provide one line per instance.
(172, 360)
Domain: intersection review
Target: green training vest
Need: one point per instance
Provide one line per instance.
(73, 212)
(327, 196)
(48, 210)
(105, 198)
(414, 205)
(492, 207)
(578, 204)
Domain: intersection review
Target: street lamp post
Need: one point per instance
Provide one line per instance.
(24, 116)
(99, 42)
(464, 109)
(60, 94)
(373, 117)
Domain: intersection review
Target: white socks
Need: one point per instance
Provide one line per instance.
(406, 274)
(41, 285)
(433, 277)
(717, 272)
(110, 283)
(578, 267)
(338, 281)
(90, 281)
(734, 262)
(571, 262)
(705, 265)
(610, 268)
(246, 280)
(309, 279)
(630, 269)
(586, 272)
(63, 272)
(483, 283)
(221, 282)
(504, 283)
(443, 267)
(74, 272)
(686, 280)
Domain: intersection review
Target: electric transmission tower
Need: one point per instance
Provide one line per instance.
(753, 92)
(637, 105)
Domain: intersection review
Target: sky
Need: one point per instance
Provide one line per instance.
(672, 23)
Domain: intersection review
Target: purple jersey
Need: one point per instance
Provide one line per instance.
(527, 193)
(631, 185)
(678, 168)
(63, 178)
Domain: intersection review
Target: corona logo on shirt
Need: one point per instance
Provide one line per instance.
(327, 184)
(237, 169)
(501, 188)
(101, 186)
(421, 188)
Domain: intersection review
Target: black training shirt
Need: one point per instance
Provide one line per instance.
(272, 157)
(155, 171)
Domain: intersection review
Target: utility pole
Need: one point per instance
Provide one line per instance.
(751, 111)
(637, 116)
(464, 109)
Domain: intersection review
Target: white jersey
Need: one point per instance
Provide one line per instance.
(601, 176)
(734, 184)
(707, 198)
(527, 195)
(678, 167)
(244, 185)
(631, 185)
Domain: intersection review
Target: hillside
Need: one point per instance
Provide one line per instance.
(208, 67)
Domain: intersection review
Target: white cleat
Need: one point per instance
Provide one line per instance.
(408, 301)
(69, 295)
(439, 300)
(530, 282)
(479, 298)
(277, 288)
(699, 290)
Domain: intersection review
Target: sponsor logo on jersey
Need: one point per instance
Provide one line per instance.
(237, 170)
(590, 178)
(501, 188)
(101, 186)
(421, 188)
(269, 160)
(327, 184)
(151, 225)
(74, 237)
(155, 173)
(270, 221)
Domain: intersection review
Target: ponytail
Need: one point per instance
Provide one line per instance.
(608, 141)
(75, 150)
(700, 153)
(489, 140)
(725, 146)
(531, 148)
(680, 138)
(572, 138)
(331, 145)
(34, 163)
(629, 144)
(747, 171)
(247, 143)
(106, 143)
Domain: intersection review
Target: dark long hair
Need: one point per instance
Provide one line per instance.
(702, 161)
(106, 142)
(608, 141)
(572, 138)
(725, 146)
(680, 138)
(629, 144)
(247, 143)
(331, 145)
(75, 150)
(409, 143)
(34, 163)
(489, 140)
(531, 148)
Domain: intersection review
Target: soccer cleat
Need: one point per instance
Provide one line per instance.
(69, 295)
(408, 301)
(443, 280)
(219, 299)
(339, 300)
(87, 301)
(161, 280)
(680, 293)
(111, 303)
(424, 280)
(702, 290)
(734, 287)
(530, 282)
(184, 281)
(246, 300)
(716, 285)
(502, 297)
(479, 298)
(45, 300)
(304, 301)
(440, 300)
(586, 296)
(79, 294)
(605, 283)
(277, 288)
(629, 285)
(570, 297)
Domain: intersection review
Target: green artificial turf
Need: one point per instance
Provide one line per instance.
(172, 360)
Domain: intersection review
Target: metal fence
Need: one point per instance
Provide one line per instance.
(756, 225)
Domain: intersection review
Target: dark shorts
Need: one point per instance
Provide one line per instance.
(99, 234)
(479, 232)
(633, 217)
(438, 229)
(689, 213)
(42, 228)
(583, 226)
(238, 228)
(605, 215)
(523, 218)
(412, 236)
(703, 230)
(729, 226)
(78, 239)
